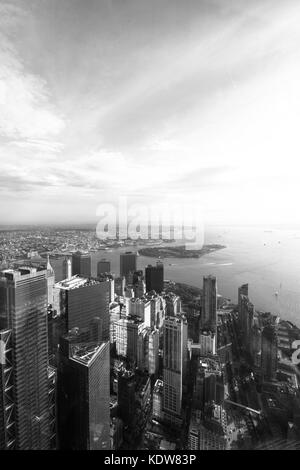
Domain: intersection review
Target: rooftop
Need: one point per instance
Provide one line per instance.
(75, 282)
(85, 352)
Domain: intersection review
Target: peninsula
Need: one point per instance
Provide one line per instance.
(178, 251)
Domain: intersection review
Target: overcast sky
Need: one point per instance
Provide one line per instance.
(194, 101)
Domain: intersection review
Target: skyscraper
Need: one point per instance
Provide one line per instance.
(81, 264)
(147, 349)
(246, 315)
(79, 301)
(242, 290)
(209, 303)
(120, 284)
(50, 282)
(126, 396)
(111, 280)
(155, 277)
(126, 332)
(269, 353)
(24, 387)
(83, 394)
(172, 303)
(67, 268)
(127, 263)
(174, 366)
(103, 266)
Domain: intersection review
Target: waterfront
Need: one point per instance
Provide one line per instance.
(266, 259)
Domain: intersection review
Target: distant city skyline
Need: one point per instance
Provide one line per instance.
(193, 101)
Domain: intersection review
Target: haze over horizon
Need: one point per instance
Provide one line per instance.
(162, 101)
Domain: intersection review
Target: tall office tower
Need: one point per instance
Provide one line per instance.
(114, 316)
(116, 433)
(153, 350)
(137, 276)
(173, 304)
(50, 282)
(78, 301)
(246, 315)
(67, 268)
(140, 308)
(24, 393)
(126, 332)
(52, 387)
(157, 399)
(139, 289)
(134, 396)
(203, 438)
(127, 263)
(255, 349)
(157, 309)
(111, 280)
(147, 350)
(209, 384)
(83, 394)
(126, 396)
(81, 264)
(155, 277)
(209, 303)
(120, 285)
(142, 348)
(129, 292)
(242, 290)
(174, 366)
(269, 351)
(207, 341)
(103, 266)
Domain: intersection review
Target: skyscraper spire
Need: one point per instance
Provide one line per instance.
(49, 267)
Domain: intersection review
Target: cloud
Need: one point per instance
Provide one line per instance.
(26, 111)
(195, 99)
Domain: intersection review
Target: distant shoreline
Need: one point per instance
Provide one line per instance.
(178, 251)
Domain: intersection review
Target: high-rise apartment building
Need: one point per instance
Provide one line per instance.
(25, 421)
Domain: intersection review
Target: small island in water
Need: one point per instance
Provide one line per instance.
(178, 251)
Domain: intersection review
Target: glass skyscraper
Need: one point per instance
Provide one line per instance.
(83, 394)
(81, 264)
(24, 383)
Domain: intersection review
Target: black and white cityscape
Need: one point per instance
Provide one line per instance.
(149, 227)
(94, 358)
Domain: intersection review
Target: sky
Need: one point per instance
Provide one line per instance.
(193, 102)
